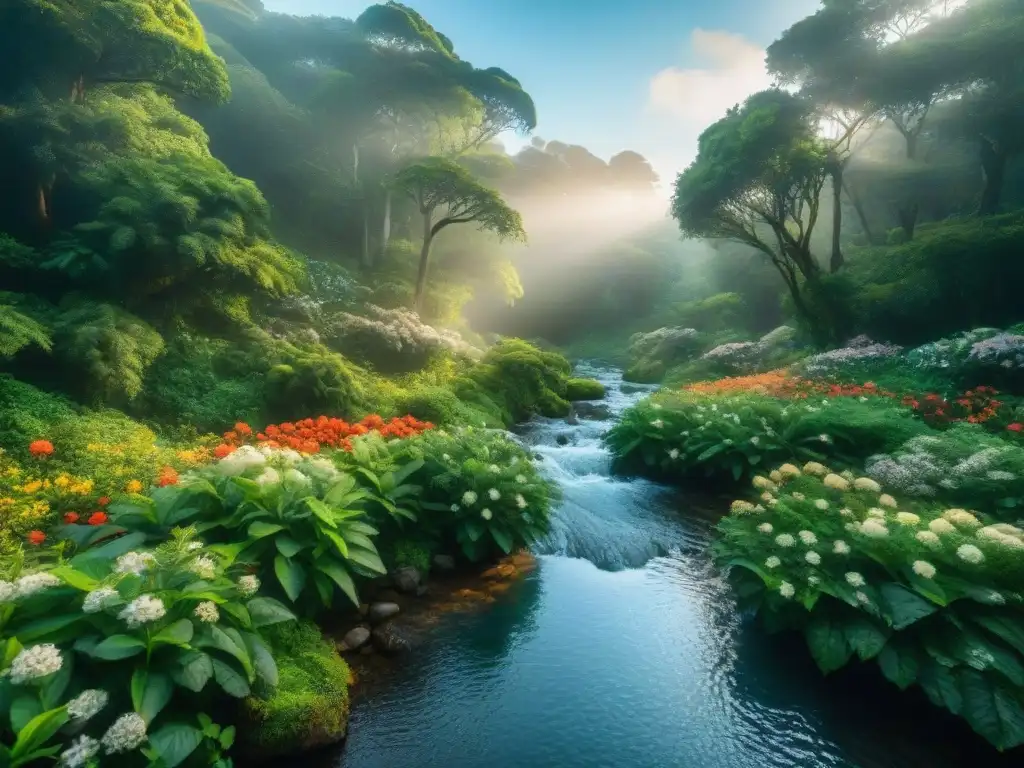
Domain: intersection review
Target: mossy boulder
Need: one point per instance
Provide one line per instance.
(583, 389)
(310, 706)
(645, 372)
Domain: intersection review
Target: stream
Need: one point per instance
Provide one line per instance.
(623, 648)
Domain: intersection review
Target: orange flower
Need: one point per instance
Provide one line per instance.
(36, 538)
(243, 429)
(168, 476)
(223, 450)
(98, 518)
(103, 501)
(70, 517)
(40, 448)
(1016, 427)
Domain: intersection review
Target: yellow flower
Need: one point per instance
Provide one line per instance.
(62, 480)
(6, 501)
(134, 486)
(32, 487)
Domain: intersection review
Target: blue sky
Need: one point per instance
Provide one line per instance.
(646, 75)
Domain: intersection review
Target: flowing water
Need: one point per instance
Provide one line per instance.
(624, 649)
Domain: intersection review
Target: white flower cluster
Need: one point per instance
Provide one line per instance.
(207, 612)
(35, 662)
(204, 567)
(99, 599)
(1004, 349)
(134, 563)
(829, 362)
(248, 585)
(240, 460)
(144, 609)
(80, 753)
(87, 704)
(127, 733)
(26, 586)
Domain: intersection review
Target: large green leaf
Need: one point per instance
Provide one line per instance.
(940, 683)
(194, 671)
(828, 643)
(321, 511)
(156, 693)
(259, 529)
(118, 647)
(993, 710)
(341, 577)
(367, 558)
(35, 733)
(262, 659)
(111, 550)
(291, 575)
(178, 633)
(287, 546)
(266, 611)
(339, 543)
(52, 691)
(1007, 627)
(174, 743)
(502, 538)
(49, 628)
(336, 494)
(233, 683)
(23, 710)
(903, 606)
(864, 636)
(899, 665)
(75, 578)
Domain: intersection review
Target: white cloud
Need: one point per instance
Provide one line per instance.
(730, 68)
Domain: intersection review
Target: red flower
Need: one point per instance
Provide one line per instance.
(40, 448)
(1016, 427)
(70, 517)
(223, 450)
(36, 538)
(103, 501)
(243, 429)
(98, 518)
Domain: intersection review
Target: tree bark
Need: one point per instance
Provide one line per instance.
(837, 259)
(421, 276)
(862, 216)
(993, 161)
(908, 220)
(386, 229)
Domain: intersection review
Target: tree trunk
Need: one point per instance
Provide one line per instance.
(836, 262)
(993, 161)
(366, 257)
(908, 220)
(421, 277)
(862, 216)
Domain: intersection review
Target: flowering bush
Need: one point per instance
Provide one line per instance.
(186, 622)
(684, 434)
(932, 594)
(481, 491)
(297, 520)
(949, 353)
(963, 465)
(394, 339)
(310, 435)
(857, 352)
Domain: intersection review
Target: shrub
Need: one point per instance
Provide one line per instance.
(584, 389)
(26, 414)
(677, 436)
(715, 313)
(932, 594)
(411, 552)
(963, 465)
(311, 381)
(481, 492)
(520, 379)
(309, 707)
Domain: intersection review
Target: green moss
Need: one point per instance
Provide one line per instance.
(415, 553)
(645, 372)
(310, 705)
(584, 389)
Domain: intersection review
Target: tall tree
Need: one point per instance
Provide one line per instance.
(445, 194)
(757, 180)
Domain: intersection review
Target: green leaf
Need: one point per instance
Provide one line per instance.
(367, 558)
(230, 680)
(291, 575)
(898, 665)
(238, 613)
(341, 577)
(225, 640)
(43, 628)
(1009, 629)
(156, 694)
(260, 529)
(993, 711)
(474, 529)
(502, 538)
(118, 647)
(714, 450)
(904, 607)
(866, 638)
(266, 611)
(174, 743)
(321, 511)
(227, 737)
(287, 546)
(940, 684)
(340, 544)
(53, 689)
(75, 578)
(23, 710)
(194, 671)
(111, 550)
(337, 492)
(828, 644)
(37, 731)
(178, 633)
(262, 659)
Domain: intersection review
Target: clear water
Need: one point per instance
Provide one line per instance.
(624, 649)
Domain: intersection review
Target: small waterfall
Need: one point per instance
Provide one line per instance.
(614, 524)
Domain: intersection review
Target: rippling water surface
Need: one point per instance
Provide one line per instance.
(623, 649)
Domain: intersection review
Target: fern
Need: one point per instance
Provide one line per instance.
(18, 331)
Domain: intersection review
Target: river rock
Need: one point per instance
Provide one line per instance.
(407, 580)
(597, 411)
(444, 563)
(562, 439)
(356, 638)
(572, 419)
(632, 389)
(380, 612)
(388, 638)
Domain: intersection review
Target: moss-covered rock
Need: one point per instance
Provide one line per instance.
(583, 389)
(309, 708)
(645, 372)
